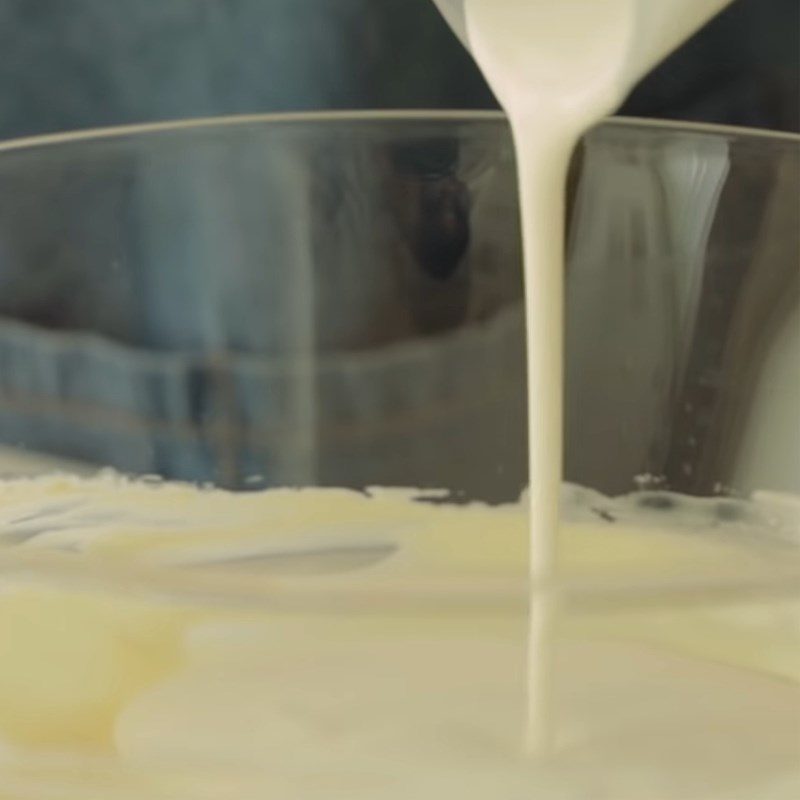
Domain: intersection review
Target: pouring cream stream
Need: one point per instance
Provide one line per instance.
(557, 67)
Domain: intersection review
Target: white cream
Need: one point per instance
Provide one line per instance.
(400, 675)
(557, 68)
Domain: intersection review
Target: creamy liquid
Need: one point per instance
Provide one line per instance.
(329, 641)
(557, 68)
(322, 694)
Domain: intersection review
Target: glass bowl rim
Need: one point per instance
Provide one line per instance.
(325, 118)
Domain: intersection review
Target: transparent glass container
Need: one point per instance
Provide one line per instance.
(335, 300)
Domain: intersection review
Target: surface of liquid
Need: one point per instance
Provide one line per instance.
(161, 639)
(558, 68)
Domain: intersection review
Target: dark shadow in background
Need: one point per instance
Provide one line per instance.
(87, 63)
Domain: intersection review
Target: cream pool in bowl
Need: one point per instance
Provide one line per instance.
(161, 640)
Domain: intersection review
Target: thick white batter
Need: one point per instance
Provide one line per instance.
(389, 679)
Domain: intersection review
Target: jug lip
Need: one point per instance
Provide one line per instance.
(461, 116)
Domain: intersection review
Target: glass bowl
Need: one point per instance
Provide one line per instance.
(334, 301)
